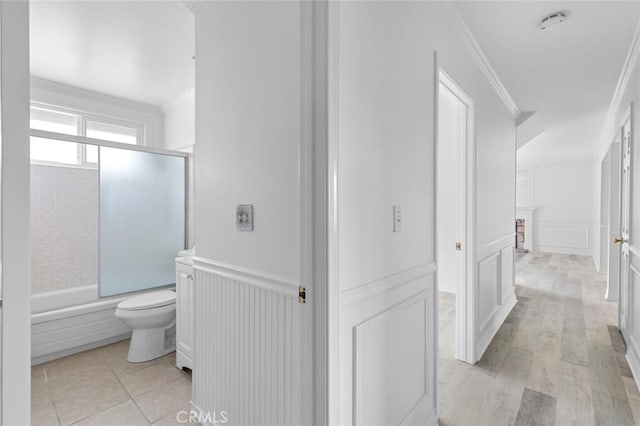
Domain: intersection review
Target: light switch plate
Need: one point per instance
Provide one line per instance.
(244, 217)
(397, 219)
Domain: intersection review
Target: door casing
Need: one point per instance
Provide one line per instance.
(465, 297)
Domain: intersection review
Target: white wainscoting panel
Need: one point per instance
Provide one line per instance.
(489, 292)
(633, 346)
(390, 361)
(388, 350)
(494, 289)
(563, 237)
(247, 351)
(507, 275)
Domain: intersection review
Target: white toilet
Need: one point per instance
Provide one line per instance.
(152, 316)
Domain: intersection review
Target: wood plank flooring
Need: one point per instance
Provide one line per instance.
(557, 360)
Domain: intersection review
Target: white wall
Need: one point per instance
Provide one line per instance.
(385, 139)
(564, 197)
(179, 122)
(75, 98)
(250, 135)
(249, 138)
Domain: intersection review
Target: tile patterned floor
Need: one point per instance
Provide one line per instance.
(557, 360)
(100, 387)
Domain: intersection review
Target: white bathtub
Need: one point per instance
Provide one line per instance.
(70, 321)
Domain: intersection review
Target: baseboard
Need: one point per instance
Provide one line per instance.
(634, 365)
(564, 250)
(494, 325)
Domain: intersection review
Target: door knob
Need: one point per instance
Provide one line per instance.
(618, 240)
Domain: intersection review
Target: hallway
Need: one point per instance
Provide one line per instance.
(556, 359)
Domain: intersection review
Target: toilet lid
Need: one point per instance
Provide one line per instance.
(154, 299)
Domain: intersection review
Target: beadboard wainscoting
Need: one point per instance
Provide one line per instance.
(387, 376)
(494, 289)
(247, 348)
(633, 316)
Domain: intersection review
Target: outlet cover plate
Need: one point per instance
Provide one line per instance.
(244, 217)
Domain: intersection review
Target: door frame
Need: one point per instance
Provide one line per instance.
(16, 270)
(465, 327)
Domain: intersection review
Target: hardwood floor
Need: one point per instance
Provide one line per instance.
(557, 360)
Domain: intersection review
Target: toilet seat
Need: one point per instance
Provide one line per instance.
(151, 300)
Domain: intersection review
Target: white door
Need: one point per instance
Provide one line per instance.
(626, 292)
(452, 123)
(613, 225)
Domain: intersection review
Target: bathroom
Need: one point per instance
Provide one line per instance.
(112, 136)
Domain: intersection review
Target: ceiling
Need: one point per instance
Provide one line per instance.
(135, 50)
(563, 73)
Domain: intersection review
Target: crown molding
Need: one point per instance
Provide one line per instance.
(465, 34)
(193, 5)
(609, 129)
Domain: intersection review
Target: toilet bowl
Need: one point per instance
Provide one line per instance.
(152, 316)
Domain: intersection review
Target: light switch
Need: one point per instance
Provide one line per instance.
(244, 217)
(397, 219)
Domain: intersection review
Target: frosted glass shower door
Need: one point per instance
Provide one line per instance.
(142, 219)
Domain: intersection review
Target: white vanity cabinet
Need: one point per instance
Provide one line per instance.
(184, 312)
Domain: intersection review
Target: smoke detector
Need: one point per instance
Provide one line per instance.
(553, 20)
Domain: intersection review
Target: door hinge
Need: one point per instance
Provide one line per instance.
(302, 294)
(459, 246)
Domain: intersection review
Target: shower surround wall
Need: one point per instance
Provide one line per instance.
(64, 228)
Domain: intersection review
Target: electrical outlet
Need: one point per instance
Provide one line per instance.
(244, 217)
(397, 219)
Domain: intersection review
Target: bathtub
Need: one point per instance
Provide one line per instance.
(74, 320)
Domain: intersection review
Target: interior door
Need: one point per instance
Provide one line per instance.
(626, 292)
(452, 128)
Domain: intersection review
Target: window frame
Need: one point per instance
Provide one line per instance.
(81, 131)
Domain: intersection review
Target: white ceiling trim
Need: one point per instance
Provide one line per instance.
(609, 129)
(463, 31)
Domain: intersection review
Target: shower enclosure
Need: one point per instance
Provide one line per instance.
(107, 216)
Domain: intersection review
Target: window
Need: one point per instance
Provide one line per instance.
(54, 121)
(59, 120)
(111, 132)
